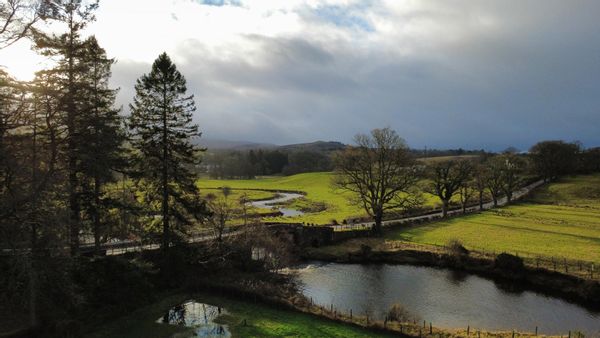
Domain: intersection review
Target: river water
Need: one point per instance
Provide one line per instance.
(443, 297)
(283, 197)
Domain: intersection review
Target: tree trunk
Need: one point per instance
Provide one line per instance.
(165, 180)
(32, 274)
(33, 321)
(72, 146)
(481, 200)
(96, 215)
(509, 197)
(464, 208)
(495, 198)
(444, 208)
(378, 220)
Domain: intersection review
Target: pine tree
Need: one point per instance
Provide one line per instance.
(69, 49)
(102, 138)
(162, 129)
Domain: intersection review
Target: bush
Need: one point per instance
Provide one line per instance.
(365, 250)
(456, 248)
(509, 262)
(398, 313)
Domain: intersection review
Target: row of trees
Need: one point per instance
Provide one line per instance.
(383, 176)
(237, 164)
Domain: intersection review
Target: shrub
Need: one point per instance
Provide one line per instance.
(365, 250)
(398, 313)
(456, 248)
(509, 262)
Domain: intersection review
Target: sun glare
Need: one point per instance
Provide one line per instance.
(20, 62)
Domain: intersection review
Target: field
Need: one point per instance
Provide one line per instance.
(262, 321)
(316, 186)
(559, 220)
(318, 189)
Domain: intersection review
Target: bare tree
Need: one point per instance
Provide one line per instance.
(243, 201)
(512, 167)
(222, 211)
(446, 179)
(17, 18)
(380, 173)
(479, 182)
(466, 192)
(493, 178)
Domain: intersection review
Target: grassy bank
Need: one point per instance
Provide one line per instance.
(262, 321)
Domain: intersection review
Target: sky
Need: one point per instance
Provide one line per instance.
(443, 74)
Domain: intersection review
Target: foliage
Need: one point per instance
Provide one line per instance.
(399, 313)
(162, 129)
(552, 159)
(509, 262)
(456, 248)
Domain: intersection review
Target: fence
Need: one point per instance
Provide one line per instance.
(414, 327)
(579, 268)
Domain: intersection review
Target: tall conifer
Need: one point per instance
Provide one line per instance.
(162, 130)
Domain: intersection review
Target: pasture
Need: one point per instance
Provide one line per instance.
(559, 220)
(323, 202)
(316, 186)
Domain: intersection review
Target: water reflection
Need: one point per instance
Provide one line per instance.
(282, 197)
(198, 316)
(445, 298)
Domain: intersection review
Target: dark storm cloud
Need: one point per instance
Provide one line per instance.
(496, 74)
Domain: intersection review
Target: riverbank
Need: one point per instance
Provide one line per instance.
(585, 292)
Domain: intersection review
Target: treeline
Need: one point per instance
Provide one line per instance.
(252, 163)
(382, 174)
(74, 173)
(500, 175)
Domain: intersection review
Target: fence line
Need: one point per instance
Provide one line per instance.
(580, 268)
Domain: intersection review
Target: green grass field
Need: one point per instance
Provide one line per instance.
(262, 321)
(560, 220)
(318, 189)
(316, 186)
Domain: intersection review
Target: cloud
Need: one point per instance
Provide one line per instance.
(443, 74)
(220, 2)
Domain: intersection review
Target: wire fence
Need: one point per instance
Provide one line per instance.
(580, 268)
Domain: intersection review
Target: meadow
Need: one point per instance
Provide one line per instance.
(318, 192)
(558, 220)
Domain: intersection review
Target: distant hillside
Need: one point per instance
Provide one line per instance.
(318, 146)
(217, 144)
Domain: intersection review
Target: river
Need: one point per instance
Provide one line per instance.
(282, 197)
(443, 297)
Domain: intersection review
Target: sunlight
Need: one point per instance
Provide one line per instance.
(20, 61)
